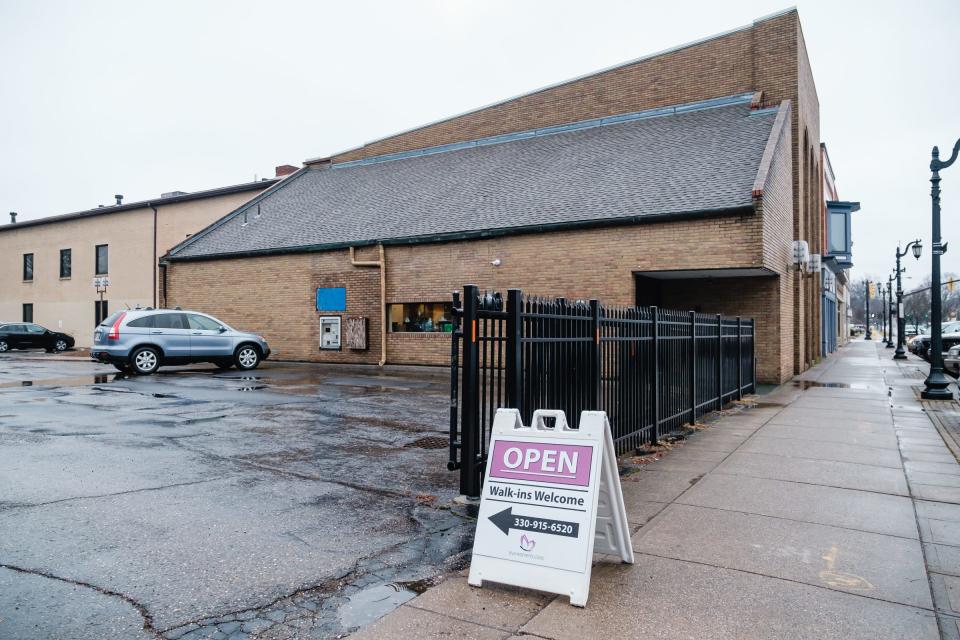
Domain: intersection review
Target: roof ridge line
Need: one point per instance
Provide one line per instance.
(578, 125)
(276, 186)
(613, 67)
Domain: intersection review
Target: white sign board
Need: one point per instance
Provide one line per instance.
(551, 498)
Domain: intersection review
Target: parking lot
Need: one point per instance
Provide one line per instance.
(292, 501)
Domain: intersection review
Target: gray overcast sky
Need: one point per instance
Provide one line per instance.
(139, 98)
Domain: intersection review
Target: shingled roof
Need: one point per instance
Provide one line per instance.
(695, 159)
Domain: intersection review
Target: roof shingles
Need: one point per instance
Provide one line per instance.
(690, 162)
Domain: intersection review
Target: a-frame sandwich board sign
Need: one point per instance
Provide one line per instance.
(551, 498)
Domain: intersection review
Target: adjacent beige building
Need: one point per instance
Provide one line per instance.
(47, 266)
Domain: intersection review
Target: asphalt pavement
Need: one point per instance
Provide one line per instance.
(291, 501)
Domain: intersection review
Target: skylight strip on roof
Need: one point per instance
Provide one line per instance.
(689, 107)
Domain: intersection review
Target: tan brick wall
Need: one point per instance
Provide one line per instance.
(769, 56)
(275, 295)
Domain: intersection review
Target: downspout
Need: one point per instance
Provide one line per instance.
(382, 265)
(155, 275)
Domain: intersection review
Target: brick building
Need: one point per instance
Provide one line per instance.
(680, 179)
(47, 265)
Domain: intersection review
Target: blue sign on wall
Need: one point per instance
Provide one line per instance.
(332, 299)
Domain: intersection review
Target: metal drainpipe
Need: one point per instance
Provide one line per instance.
(382, 265)
(155, 274)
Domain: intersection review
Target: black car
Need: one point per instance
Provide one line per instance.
(26, 335)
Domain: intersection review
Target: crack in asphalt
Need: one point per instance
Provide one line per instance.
(325, 589)
(142, 610)
(300, 476)
(23, 505)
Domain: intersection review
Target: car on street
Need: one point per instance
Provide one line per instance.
(143, 340)
(921, 344)
(26, 335)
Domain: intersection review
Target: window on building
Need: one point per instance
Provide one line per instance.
(838, 232)
(100, 311)
(66, 263)
(28, 266)
(28, 312)
(421, 317)
(101, 266)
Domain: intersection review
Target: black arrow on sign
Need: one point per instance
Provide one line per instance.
(505, 521)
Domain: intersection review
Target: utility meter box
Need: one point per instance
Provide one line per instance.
(330, 332)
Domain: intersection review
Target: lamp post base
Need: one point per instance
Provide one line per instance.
(936, 387)
(899, 354)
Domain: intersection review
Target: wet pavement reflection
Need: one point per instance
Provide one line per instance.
(200, 502)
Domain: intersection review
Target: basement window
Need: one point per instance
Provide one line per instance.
(421, 317)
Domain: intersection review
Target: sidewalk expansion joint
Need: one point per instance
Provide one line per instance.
(790, 580)
(819, 524)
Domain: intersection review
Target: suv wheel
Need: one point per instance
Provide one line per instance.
(145, 361)
(4, 346)
(60, 345)
(247, 357)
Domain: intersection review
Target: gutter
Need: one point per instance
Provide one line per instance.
(155, 267)
(382, 265)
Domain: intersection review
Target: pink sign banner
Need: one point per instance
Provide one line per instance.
(541, 462)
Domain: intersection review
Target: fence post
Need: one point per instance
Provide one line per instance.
(455, 339)
(514, 359)
(596, 374)
(753, 354)
(469, 423)
(719, 361)
(693, 367)
(655, 349)
(739, 359)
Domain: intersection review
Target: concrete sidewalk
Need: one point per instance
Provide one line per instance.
(830, 509)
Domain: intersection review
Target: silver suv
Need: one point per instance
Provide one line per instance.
(143, 339)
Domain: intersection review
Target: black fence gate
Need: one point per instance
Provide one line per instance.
(652, 370)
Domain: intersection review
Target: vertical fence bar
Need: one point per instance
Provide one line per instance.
(739, 358)
(693, 367)
(655, 350)
(455, 338)
(719, 361)
(470, 429)
(514, 361)
(596, 375)
(753, 354)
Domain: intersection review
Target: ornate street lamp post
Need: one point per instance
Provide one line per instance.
(900, 354)
(937, 382)
(867, 335)
(887, 312)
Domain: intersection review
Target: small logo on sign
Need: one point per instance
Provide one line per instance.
(527, 544)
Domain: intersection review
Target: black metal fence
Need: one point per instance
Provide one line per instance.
(652, 370)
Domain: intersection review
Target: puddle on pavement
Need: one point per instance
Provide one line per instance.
(76, 381)
(374, 602)
(808, 384)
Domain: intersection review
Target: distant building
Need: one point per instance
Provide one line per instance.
(689, 179)
(837, 260)
(47, 265)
